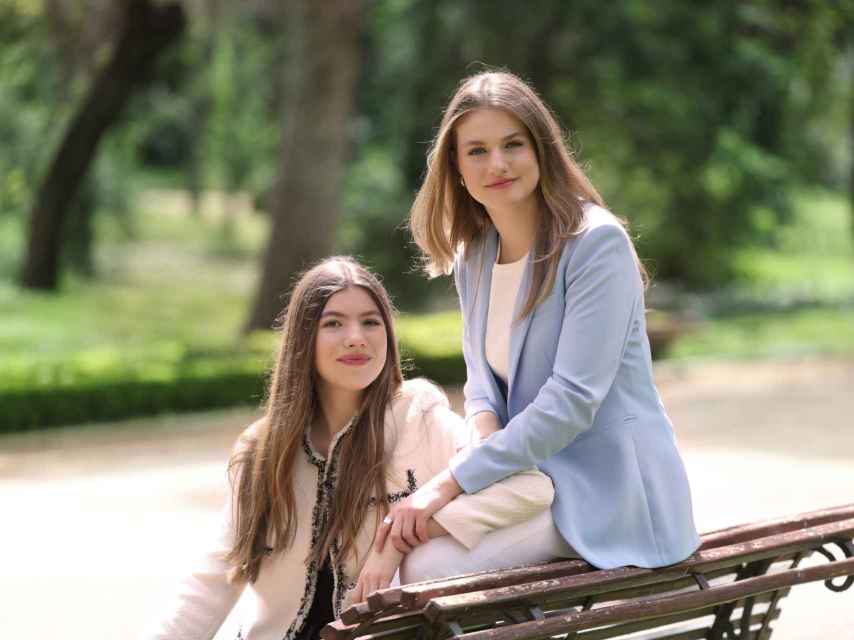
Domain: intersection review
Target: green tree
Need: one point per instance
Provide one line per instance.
(695, 124)
(146, 30)
(322, 67)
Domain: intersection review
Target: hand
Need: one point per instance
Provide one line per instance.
(377, 573)
(406, 525)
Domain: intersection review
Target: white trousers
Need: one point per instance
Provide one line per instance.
(535, 540)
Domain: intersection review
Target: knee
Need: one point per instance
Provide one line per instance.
(430, 561)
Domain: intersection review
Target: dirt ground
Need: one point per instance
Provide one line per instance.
(102, 520)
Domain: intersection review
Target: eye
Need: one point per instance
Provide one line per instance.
(476, 151)
(514, 143)
(373, 322)
(331, 324)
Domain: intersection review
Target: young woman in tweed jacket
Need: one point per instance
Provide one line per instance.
(343, 437)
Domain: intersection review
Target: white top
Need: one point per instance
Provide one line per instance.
(506, 279)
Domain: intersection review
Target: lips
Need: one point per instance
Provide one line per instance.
(354, 360)
(501, 183)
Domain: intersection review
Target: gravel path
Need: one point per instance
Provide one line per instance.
(105, 519)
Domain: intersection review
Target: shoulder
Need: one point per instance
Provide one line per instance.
(420, 394)
(421, 424)
(600, 222)
(601, 232)
(250, 435)
(415, 398)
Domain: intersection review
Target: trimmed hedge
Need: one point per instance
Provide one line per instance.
(111, 383)
(43, 407)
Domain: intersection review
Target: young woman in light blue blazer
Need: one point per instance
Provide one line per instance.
(555, 344)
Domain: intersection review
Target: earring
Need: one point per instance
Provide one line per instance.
(462, 182)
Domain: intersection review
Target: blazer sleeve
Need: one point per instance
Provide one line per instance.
(476, 398)
(469, 517)
(603, 288)
(205, 597)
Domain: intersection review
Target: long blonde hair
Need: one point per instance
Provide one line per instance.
(445, 219)
(261, 470)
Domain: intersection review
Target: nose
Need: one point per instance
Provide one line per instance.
(355, 336)
(497, 162)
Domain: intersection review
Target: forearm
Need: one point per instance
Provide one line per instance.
(485, 423)
(515, 499)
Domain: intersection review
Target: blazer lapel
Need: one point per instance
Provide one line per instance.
(519, 330)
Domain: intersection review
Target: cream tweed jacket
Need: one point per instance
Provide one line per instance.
(422, 436)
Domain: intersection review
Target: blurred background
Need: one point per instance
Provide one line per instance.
(168, 167)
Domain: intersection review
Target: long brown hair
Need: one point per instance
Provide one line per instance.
(261, 469)
(444, 218)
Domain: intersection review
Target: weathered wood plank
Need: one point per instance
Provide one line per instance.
(358, 612)
(698, 630)
(337, 630)
(719, 556)
(597, 582)
(415, 596)
(656, 607)
(745, 532)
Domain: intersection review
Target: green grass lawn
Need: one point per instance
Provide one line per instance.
(804, 332)
(813, 257)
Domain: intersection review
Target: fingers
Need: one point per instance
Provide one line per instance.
(408, 533)
(397, 533)
(421, 531)
(367, 584)
(382, 533)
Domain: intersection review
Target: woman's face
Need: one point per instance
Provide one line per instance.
(351, 343)
(496, 158)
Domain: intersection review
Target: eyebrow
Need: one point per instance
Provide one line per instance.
(344, 315)
(471, 143)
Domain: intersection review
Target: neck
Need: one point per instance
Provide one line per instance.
(337, 408)
(517, 227)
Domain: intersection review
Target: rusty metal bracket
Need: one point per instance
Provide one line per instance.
(847, 549)
(701, 581)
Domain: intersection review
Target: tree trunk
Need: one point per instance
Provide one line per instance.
(322, 67)
(147, 29)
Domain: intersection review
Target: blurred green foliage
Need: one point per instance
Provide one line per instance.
(723, 134)
(37, 99)
(695, 124)
(827, 331)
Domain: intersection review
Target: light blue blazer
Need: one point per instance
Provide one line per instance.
(580, 402)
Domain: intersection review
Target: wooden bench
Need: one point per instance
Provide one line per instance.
(730, 588)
